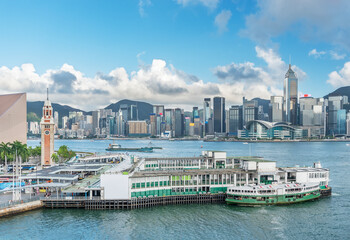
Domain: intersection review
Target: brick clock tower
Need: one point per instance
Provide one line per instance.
(47, 126)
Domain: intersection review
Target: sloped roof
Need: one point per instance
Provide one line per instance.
(7, 101)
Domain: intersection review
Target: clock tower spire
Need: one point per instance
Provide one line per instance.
(47, 126)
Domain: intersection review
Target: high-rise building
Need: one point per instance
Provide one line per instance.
(64, 122)
(158, 109)
(95, 121)
(206, 115)
(290, 92)
(276, 109)
(335, 118)
(137, 128)
(219, 115)
(348, 124)
(153, 124)
(47, 126)
(133, 112)
(179, 123)
(197, 126)
(250, 111)
(187, 126)
(235, 119)
(195, 113)
(169, 119)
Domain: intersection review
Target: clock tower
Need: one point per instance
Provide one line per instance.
(47, 126)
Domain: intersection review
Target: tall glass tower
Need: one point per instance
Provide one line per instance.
(290, 92)
(219, 115)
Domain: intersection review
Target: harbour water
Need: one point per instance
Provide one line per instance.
(327, 218)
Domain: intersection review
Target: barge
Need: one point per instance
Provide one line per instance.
(117, 147)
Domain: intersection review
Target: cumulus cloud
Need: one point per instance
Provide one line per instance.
(211, 4)
(221, 20)
(311, 20)
(252, 81)
(341, 78)
(157, 83)
(316, 54)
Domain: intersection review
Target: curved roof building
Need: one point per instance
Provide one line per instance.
(13, 117)
(271, 130)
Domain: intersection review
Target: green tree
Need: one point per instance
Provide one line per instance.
(65, 153)
(5, 151)
(20, 148)
(55, 157)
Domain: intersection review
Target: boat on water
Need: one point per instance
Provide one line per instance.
(274, 194)
(117, 147)
(245, 143)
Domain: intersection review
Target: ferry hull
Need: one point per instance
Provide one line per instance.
(275, 200)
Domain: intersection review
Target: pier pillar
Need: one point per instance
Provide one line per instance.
(246, 178)
(235, 179)
(285, 177)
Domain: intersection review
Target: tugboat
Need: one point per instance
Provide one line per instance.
(117, 147)
(253, 195)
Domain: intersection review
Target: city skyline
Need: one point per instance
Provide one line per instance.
(202, 48)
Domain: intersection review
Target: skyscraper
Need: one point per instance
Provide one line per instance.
(250, 111)
(336, 115)
(206, 109)
(95, 122)
(290, 92)
(179, 122)
(219, 115)
(206, 115)
(235, 119)
(133, 113)
(195, 113)
(276, 109)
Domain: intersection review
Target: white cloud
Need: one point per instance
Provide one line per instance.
(158, 82)
(142, 5)
(222, 19)
(211, 4)
(341, 78)
(337, 56)
(316, 54)
(311, 20)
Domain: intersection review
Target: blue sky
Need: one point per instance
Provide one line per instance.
(174, 52)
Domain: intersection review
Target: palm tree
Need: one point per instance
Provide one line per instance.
(5, 150)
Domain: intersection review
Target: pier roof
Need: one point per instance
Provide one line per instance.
(186, 172)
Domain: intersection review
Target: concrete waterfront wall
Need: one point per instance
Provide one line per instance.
(19, 208)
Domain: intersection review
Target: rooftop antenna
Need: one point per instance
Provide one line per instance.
(290, 61)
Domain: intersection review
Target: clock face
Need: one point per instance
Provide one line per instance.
(47, 132)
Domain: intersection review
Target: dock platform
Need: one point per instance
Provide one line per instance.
(135, 203)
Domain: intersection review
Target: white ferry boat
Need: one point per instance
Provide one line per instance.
(272, 194)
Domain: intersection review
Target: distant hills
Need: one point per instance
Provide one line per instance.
(37, 108)
(343, 91)
(144, 109)
(34, 109)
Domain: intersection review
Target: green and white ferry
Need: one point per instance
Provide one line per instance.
(273, 194)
